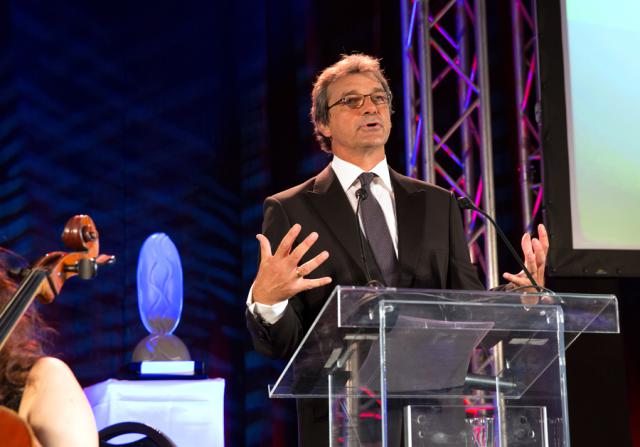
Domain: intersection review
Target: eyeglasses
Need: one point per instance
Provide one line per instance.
(356, 101)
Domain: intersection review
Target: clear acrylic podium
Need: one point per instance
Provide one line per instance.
(443, 367)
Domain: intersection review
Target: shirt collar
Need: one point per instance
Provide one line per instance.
(347, 173)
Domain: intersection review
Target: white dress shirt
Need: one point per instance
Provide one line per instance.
(347, 174)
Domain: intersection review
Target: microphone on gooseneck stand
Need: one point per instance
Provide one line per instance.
(368, 299)
(361, 194)
(466, 204)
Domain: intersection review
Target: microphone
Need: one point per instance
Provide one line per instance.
(466, 204)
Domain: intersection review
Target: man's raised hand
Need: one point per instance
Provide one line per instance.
(279, 274)
(535, 258)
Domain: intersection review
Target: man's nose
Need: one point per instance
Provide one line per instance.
(368, 106)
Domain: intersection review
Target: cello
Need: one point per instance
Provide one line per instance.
(44, 280)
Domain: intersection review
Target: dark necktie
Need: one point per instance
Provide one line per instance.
(377, 232)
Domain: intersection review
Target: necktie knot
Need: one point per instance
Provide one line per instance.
(365, 179)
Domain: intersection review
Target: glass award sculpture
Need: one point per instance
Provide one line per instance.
(159, 282)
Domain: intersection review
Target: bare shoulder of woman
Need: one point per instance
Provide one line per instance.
(56, 408)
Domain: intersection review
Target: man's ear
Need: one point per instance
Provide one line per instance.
(324, 130)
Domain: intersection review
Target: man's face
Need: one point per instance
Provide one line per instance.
(359, 130)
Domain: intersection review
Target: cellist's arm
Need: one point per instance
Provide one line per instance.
(56, 408)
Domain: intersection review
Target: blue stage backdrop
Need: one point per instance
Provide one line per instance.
(126, 112)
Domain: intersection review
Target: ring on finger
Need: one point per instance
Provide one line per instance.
(299, 274)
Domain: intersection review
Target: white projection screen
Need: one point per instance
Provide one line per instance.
(590, 84)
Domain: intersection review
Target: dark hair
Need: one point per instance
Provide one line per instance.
(349, 64)
(23, 347)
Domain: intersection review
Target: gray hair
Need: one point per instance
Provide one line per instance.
(348, 64)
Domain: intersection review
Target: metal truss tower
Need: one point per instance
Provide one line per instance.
(525, 58)
(447, 111)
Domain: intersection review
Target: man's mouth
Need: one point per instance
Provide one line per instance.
(372, 125)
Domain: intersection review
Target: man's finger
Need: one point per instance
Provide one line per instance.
(525, 243)
(530, 262)
(541, 255)
(527, 252)
(313, 264)
(510, 277)
(517, 280)
(287, 241)
(265, 247)
(521, 274)
(313, 283)
(543, 236)
(303, 247)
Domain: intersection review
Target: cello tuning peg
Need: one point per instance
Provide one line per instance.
(86, 268)
(106, 260)
(89, 233)
(18, 274)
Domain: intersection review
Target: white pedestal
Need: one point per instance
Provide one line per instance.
(190, 412)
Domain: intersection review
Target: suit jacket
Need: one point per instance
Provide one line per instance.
(432, 253)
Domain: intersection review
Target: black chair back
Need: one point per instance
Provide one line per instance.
(152, 437)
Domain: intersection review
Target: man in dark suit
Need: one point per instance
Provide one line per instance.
(414, 234)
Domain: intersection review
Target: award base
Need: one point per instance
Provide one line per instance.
(164, 370)
(155, 347)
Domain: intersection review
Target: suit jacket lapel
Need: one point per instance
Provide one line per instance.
(410, 212)
(334, 209)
